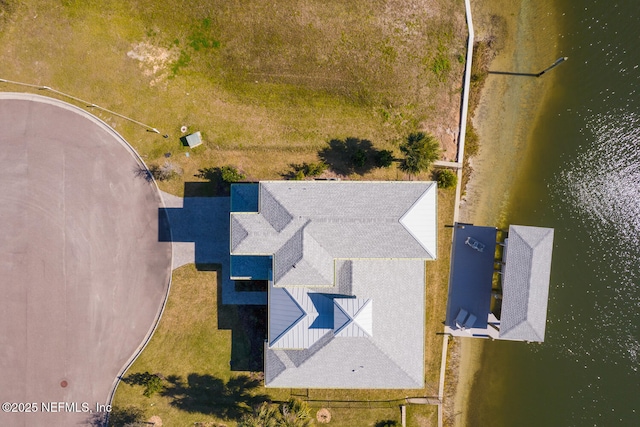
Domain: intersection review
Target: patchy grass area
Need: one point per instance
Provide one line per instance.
(208, 359)
(268, 84)
(422, 416)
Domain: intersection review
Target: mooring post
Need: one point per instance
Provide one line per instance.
(555, 64)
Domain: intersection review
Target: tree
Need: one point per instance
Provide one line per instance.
(152, 385)
(446, 179)
(231, 174)
(295, 413)
(165, 172)
(265, 415)
(221, 178)
(384, 158)
(420, 151)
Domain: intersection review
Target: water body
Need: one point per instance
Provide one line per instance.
(580, 175)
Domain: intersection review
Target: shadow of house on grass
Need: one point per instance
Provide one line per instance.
(208, 395)
(248, 325)
(204, 221)
(352, 155)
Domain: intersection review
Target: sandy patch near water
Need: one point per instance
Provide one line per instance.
(504, 120)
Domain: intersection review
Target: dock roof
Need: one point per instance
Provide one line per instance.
(525, 285)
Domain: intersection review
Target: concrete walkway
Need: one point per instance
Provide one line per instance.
(460, 162)
(445, 164)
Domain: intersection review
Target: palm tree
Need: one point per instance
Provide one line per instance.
(420, 151)
(265, 415)
(295, 413)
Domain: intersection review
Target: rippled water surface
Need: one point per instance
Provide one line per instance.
(582, 177)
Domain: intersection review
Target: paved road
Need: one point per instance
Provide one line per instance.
(83, 275)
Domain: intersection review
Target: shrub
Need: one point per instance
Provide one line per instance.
(314, 169)
(165, 172)
(471, 141)
(301, 171)
(230, 174)
(447, 179)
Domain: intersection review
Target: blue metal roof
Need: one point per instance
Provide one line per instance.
(472, 266)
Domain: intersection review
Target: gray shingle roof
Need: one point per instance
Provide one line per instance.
(525, 283)
(340, 220)
(302, 260)
(391, 357)
(275, 214)
(350, 256)
(238, 232)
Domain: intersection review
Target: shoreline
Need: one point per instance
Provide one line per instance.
(505, 118)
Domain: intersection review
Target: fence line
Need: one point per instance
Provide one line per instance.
(86, 103)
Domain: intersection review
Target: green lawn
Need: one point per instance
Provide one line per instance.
(267, 83)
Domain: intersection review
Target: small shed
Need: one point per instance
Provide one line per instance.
(194, 139)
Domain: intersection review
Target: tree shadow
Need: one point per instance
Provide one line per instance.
(214, 187)
(206, 394)
(117, 417)
(144, 173)
(351, 155)
(138, 378)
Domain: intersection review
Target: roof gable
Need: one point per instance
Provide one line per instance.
(421, 219)
(352, 317)
(303, 332)
(238, 233)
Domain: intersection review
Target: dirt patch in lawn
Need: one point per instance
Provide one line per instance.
(154, 61)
